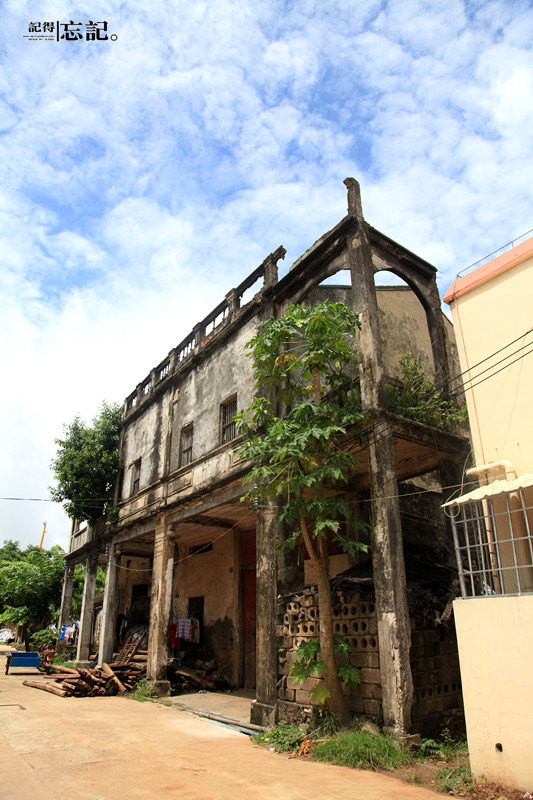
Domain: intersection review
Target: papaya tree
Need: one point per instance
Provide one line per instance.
(304, 365)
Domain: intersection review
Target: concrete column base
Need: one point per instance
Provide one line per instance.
(263, 714)
(161, 688)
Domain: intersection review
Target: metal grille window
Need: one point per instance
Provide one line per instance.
(492, 529)
(228, 409)
(136, 476)
(187, 436)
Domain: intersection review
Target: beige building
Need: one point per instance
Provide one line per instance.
(492, 311)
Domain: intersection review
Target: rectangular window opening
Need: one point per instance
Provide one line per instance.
(196, 549)
(186, 444)
(228, 409)
(136, 476)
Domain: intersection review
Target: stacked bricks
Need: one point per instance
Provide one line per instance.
(355, 619)
(434, 660)
(438, 698)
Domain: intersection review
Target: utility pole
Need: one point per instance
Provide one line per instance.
(42, 536)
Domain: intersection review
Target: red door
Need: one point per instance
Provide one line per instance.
(248, 628)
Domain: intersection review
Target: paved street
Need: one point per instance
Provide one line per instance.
(54, 748)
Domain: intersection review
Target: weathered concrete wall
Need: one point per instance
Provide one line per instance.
(144, 438)
(403, 327)
(221, 374)
(210, 575)
(132, 571)
(403, 322)
(337, 563)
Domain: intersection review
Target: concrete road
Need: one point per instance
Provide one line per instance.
(54, 748)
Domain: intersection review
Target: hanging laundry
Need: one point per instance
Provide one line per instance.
(185, 627)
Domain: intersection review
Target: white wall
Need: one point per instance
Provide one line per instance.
(495, 638)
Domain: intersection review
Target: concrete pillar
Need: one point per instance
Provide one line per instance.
(109, 610)
(162, 578)
(270, 274)
(394, 630)
(66, 597)
(234, 301)
(290, 566)
(87, 609)
(199, 336)
(263, 710)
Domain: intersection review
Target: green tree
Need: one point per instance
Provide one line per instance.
(304, 364)
(87, 464)
(30, 586)
(78, 582)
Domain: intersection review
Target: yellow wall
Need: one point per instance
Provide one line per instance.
(486, 317)
(495, 637)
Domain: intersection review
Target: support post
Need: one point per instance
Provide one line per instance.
(87, 609)
(162, 579)
(109, 610)
(394, 630)
(263, 710)
(66, 597)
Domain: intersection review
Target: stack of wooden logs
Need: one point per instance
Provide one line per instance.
(102, 681)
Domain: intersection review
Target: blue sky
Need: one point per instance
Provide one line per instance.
(142, 178)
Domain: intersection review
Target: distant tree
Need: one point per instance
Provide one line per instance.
(10, 551)
(307, 359)
(30, 586)
(87, 464)
(77, 587)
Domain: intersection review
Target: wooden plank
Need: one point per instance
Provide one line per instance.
(46, 687)
(106, 669)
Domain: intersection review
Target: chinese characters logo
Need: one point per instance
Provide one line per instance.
(69, 32)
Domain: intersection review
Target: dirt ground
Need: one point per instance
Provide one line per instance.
(106, 748)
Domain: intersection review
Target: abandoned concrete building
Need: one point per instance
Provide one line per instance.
(185, 551)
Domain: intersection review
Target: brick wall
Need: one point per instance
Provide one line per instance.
(434, 660)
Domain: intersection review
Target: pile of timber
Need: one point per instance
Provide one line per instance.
(186, 679)
(102, 681)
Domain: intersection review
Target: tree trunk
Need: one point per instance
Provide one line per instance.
(336, 701)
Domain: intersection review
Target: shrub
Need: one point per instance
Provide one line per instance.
(285, 737)
(417, 398)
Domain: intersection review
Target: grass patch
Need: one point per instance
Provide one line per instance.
(285, 737)
(456, 776)
(362, 750)
(143, 691)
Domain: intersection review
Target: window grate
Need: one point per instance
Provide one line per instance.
(494, 546)
(136, 477)
(187, 436)
(228, 410)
